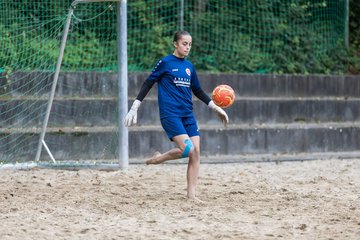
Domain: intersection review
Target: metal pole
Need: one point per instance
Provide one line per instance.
(89, 1)
(347, 16)
(53, 87)
(122, 85)
(182, 15)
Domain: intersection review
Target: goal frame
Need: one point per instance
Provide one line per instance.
(122, 80)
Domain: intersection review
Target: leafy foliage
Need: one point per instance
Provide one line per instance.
(278, 36)
(354, 37)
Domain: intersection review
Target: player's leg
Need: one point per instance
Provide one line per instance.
(194, 157)
(175, 130)
(193, 167)
(184, 149)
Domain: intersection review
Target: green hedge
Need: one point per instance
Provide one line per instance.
(274, 37)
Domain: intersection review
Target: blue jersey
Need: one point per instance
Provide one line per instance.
(176, 78)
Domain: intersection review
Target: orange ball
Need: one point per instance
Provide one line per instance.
(223, 96)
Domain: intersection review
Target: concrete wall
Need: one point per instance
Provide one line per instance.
(272, 114)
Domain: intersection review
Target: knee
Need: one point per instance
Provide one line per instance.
(188, 149)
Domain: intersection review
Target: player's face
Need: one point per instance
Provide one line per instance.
(183, 46)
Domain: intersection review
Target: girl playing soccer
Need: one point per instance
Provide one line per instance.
(177, 80)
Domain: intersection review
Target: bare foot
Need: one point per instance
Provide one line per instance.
(153, 159)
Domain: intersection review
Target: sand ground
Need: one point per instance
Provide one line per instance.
(290, 200)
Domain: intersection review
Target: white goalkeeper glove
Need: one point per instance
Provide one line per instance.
(131, 116)
(222, 114)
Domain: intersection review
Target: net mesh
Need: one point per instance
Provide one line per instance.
(276, 36)
(235, 36)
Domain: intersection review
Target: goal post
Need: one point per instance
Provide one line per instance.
(123, 144)
(122, 81)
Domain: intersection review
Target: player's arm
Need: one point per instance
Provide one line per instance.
(197, 90)
(144, 90)
(131, 116)
(199, 93)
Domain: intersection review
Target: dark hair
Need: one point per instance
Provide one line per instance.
(179, 34)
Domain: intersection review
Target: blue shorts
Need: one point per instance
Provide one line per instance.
(175, 126)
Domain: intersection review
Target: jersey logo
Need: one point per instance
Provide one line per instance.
(175, 70)
(182, 82)
(188, 72)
